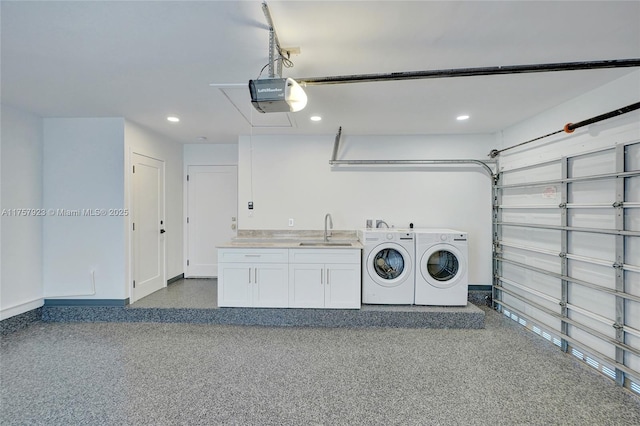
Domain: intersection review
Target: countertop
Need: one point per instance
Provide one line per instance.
(293, 239)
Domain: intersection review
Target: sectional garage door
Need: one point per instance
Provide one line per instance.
(567, 248)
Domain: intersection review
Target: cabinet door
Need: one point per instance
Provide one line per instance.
(234, 284)
(306, 285)
(270, 288)
(342, 289)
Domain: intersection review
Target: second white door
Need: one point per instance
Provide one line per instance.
(212, 206)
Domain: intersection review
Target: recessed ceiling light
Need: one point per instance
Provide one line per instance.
(173, 119)
(315, 118)
(462, 117)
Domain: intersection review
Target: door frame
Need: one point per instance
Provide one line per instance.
(130, 253)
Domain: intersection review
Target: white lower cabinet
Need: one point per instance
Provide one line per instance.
(324, 278)
(253, 278)
(295, 278)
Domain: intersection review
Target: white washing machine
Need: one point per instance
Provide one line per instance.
(387, 266)
(442, 267)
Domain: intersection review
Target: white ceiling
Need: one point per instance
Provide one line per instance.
(144, 60)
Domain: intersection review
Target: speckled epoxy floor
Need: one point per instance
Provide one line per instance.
(192, 293)
(199, 374)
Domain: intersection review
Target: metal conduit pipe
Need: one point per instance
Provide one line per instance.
(335, 162)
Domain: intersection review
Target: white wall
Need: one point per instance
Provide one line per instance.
(142, 141)
(290, 177)
(21, 286)
(210, 155)
(84, 169)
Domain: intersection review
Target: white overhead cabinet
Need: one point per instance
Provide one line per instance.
(253, 278)
(294, 278)
(324, 278)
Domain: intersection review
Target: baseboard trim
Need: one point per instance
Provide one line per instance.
(86, 302)
(176, 278)
(20, 308)
(477, 287)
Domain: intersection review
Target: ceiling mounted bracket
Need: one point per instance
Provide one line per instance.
(274, 44)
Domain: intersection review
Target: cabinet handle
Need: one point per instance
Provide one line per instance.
(255, 275)
(328, 276)
(249, 275)
(321, 276)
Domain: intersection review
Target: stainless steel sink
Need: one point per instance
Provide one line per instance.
(325, 244)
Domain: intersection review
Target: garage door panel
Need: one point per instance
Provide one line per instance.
(595, 163)
(632, 219)
(632, 361)
(548, 262)
(632, 157)
(593, 300)
(596, 246)
(632, 315)
(534, 296)
(592, 192)
(632, 282)
(535, 216)
(539, 173)
(590, 341)
(632, 251)
(596, 274)
(596, 218)
(594, 249)
(545, 239)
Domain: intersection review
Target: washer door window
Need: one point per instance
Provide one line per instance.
(442, 265)
(389, 264)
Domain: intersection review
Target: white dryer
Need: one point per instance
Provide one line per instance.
(387, 266)
(442, 267)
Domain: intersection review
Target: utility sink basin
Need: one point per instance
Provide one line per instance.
(325, 244)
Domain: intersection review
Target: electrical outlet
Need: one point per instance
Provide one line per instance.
(290, 221)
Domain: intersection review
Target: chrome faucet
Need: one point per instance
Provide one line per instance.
(327, 233)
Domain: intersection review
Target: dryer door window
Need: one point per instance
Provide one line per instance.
(442, 265)
(389, 265)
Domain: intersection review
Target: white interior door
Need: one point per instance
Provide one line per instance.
(148, 226)
(212, 209)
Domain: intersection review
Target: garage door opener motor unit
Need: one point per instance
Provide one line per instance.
(277, 95)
